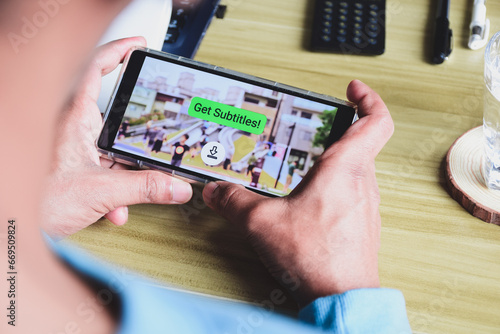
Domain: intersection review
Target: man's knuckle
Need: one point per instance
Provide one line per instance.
(151, 188)
(386, 125)
(357, 170)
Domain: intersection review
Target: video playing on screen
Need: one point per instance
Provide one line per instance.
(223, 128)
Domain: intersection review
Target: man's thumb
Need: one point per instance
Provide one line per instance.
(126, 187)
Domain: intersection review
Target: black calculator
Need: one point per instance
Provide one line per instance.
(349, 27)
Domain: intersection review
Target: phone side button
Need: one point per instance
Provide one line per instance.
(188, 176)
(146, 165)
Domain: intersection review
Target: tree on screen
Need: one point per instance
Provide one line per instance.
(323, 131)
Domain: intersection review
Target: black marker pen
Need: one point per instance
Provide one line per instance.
(443, 37)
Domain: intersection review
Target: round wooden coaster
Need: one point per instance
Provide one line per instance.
(465, 177)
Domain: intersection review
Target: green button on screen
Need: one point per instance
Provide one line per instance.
(223, 114)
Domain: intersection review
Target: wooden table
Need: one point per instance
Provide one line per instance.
(446, 262)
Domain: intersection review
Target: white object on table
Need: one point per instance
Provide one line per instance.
(148, 18)
(479, 26)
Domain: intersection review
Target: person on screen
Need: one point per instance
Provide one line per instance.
(178, 149)
(146, 134)
(202, 141)
(292, 168)
(251, 163)
(227, 161)
(123, 130)
(152, 133)
(204, 137)
(70, 291)
(161, 136)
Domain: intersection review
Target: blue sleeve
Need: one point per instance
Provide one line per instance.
(147, 307)
(359, 311)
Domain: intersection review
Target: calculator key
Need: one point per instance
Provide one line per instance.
(373, 27)
(327, 17)
(184, 7)
(343, 11)
(373, 20)
(180, 12)
(174, 24)
(180, 16)
(372, 33)
(373, 13)
(182, 20)
(358, 12)
(357, 26)
(358, 5)
(343, 4)
(328, 10)
(357, 33)
(341, 39)
(342, 25)
(372, 6)
(326, 31)
(327, 24)
(171, 35)
(372, 41)
(342, 32)
(358, 19)
(343, 18)
(357, 40)
(326, 38)
(328, 3)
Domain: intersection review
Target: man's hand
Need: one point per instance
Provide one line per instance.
(324, 237)
(82, 187)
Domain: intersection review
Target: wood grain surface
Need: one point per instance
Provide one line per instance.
(445, 261)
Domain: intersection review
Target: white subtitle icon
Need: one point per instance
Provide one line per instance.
(213, 153)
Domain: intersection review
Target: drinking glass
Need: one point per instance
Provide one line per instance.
(491, 113)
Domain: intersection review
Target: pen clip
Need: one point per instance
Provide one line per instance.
(478, 39)
(449, 46)
(443, 47)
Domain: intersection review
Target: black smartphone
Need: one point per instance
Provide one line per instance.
(207, 123)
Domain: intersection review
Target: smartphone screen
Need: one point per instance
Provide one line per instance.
(207, 123)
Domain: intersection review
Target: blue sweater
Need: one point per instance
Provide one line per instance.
(147, 308)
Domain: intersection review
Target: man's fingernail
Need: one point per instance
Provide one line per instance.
(125, 210)
(123, 215)
(181, 191)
